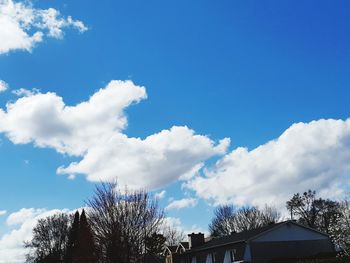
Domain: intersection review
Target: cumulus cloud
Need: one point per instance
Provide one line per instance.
(22, 26)
(44, 119)
(3, 212)
(151, 163)
(93, 130)
(3, 85)
(11, 243)
(182, 203)
(311, 155)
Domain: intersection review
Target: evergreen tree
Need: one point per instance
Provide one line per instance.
(155, 244)
(73, 239)
(86, 250)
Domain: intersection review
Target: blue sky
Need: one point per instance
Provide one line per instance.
(244, 70)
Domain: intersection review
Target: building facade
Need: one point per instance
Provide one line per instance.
(285, 239)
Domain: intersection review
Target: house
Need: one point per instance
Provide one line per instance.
(285, 239)
(171, 254)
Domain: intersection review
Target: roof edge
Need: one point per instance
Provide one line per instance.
(284, 223)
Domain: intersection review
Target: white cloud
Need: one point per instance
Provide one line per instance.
(176, 223)
(11, 243)
(182, 203)
(3, 212)
(306, 156)
(172, 222)
(3, 85)
(44, 119)
(25, 92)
(23, 215)
(160, 195)
(93, 130)
(151, 163)
(22, 26)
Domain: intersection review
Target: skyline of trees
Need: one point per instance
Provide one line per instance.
(229, 219)
(124, 226)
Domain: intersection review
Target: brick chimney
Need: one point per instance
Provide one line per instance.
(195, 240)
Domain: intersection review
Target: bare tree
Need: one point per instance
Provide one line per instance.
(247, 218)
(269, 215)
(223, 222)
(173, 236)
(303, 206)
(312, 211)
(228, 219)
(340, 229)
(121, 222)
(50, 238)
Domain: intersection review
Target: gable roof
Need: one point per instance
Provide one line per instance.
(294, 223)
(235, 237)
(184, 245)
(245, 236)
(170, 249)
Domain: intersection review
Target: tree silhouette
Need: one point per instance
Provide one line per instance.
(72, 239)
(229, 219)
(155, 244)
(173, 236)
(50, 239)
(121, 222)
(85, 250)
(314, 212)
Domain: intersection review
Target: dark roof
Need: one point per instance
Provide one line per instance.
(237, 237)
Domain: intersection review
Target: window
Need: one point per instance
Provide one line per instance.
(232, 254)
(211, 258)
(208, 260)
(229, 256)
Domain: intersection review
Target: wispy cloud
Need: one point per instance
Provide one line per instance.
(160, 195)
(25, 92)
(3, 85)
(176, 223)
(181, 203)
